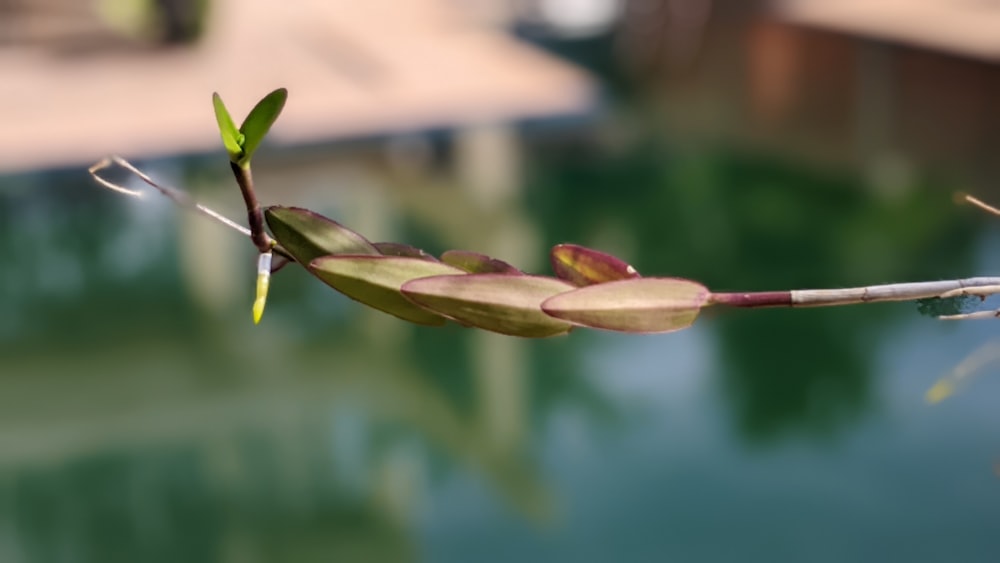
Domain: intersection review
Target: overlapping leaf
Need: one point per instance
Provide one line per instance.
(582, 266)
(307, 235)
(404, 250)
(504, 303)
(476, 263)
(376, 281)
(632, 305)
(595, 290)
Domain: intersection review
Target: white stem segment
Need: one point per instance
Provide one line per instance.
(895, 292)
(263, 283)
(971, 316)
(178, 197)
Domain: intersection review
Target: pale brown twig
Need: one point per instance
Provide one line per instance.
(180, 198)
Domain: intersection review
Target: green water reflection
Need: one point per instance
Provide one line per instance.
(143, 417)
(752, 222)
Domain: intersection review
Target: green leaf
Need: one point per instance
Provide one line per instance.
(375, 281)
(231, 138)
(582, 266)
(307, 235)
(404, 250)
(503, 303)
(476, 263)
(259, 122)
(633, 305)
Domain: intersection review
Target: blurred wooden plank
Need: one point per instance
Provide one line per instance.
(353, 69)
(967, 28)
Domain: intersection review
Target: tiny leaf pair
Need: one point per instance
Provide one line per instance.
(241, 143)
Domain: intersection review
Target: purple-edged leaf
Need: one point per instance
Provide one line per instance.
(583, 266)
(497, 302)
(634, 305)
(402, 250)
(307, 235)
(375, 281)
(476, 263)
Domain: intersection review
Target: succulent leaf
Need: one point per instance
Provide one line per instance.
(504, 303)
(632, 305)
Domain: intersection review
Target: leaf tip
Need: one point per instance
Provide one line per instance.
(263, 284)
(258, 309)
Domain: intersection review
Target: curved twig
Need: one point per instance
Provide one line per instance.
(178, 197)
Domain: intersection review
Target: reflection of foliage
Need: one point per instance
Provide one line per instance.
(169, 506)
(794, 370)
(936, 307)
(56, 252)
(443, 356)
(755, 222)
(558, 382)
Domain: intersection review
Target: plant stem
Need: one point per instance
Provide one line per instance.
(980, 286)
(254, 214)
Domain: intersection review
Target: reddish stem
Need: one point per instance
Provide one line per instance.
(255, 216)
(754, 299)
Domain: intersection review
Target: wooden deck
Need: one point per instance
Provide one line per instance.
(966, 28)
(353, 69)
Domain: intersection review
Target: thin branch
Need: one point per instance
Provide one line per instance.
(981, 204)
(892, 292)
(178, 197)
(969, 316)
(982, 291)
(980, 286)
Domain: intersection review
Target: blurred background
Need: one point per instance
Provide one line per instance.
(749, 145)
